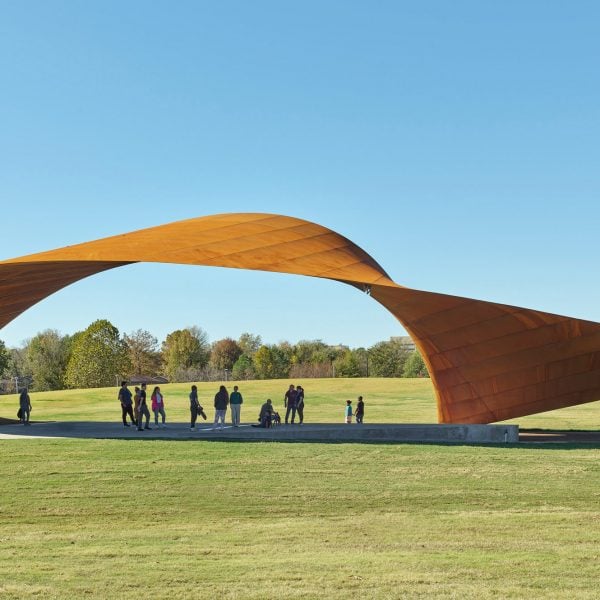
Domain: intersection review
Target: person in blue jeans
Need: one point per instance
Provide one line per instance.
(289, 401)
(144, 412)
(125, 399)
(300, 403)
(360, 410)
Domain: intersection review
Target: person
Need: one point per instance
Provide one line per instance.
(143, 410)
(136, 405)
(195, 408)
(158, 407)
(289, 402)
(24, 406)
(126, 404)
(300, 403)
(360, 410)
(235, 402)
(221, 402)
(348, 411)
(265, 415)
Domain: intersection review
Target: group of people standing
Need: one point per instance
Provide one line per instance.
(293, 402)
(222, 400)
(135, 407)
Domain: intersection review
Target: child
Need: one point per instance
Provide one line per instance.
(360, 410)
(348, 411)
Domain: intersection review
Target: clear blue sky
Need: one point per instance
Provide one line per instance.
(456, 142)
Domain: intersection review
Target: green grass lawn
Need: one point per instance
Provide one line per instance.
(387, 401)
(200, 519)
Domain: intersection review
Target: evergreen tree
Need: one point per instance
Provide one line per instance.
(243, 368)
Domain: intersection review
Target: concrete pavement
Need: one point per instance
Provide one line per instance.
(314, 432)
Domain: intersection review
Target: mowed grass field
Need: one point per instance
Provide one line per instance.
(386, 401)
(201, 519)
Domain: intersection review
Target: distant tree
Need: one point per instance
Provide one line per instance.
(347, 365)
(415, 366)
(311, 370)
(249, 343)
(142, 350)
(98, 357)
(224, 353)
(286, 353)
(362, 357)
(184, 349)
(243, 368)
(4, 358)
(17, 364)
(310, 352)
(386, 359)
(270, 363)
(47, 355)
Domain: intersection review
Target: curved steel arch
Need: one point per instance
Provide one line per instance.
(488, 362)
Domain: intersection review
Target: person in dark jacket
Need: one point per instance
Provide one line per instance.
(221, 402)
(24, 406)
(266, 414)
(289, 402)
(300, 403)
(195, 407)
(126, 404)
(144, 410)
(360, 410)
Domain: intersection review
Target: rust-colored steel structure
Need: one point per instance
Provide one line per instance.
(488, 362)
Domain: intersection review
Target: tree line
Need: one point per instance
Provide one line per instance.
(99, 356)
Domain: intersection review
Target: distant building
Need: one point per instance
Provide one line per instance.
(405, 341)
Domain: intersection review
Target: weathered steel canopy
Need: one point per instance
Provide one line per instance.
(488, 362)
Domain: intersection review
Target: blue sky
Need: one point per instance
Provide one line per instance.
(456, 142)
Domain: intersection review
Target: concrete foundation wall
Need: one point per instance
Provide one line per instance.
(334, 432)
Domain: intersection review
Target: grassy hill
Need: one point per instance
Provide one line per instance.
(387, 401)
(195, 519)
